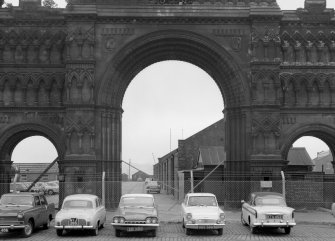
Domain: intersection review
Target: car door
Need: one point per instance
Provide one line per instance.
(44, 209)
(39, 212)
(246, 208)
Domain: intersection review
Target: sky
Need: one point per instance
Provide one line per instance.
(165, 102)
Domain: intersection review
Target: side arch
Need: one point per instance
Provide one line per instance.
(323, 132)
(173, 45)
(12, 135)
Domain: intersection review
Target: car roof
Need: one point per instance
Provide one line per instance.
(202, 194)
(137, 195)
(81, 196)
(263, 194)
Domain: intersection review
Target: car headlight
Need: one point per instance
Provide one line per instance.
(222, 216)
(20, 215)
(122, 220)
(115, 220)
(154, 220)
(148, 220)
(189, 216)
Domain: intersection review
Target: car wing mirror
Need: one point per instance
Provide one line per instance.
(242, 201)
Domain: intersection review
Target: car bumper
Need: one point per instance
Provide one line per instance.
(21, 226)
(274, 225)
(144, 227)
(205, 226)
(153, 190)
(74, 227)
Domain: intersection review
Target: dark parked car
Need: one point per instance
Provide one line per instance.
(24, 211)
(152, 187)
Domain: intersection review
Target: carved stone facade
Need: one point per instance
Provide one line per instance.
(64, 72)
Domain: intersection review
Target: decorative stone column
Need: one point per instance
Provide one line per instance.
(5, 176)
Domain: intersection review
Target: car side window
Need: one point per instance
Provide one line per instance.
(43, 200)
(37, 201)
(96, 203)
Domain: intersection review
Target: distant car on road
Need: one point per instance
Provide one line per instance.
(152, 187)
(201, 211)
(50, 188)
(267, 210)
(25, 211)
(136, 212)
(79, 212)
(20, 187)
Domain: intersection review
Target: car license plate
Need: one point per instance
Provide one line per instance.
(206, 227)
(4, 230)
(134, 229)
(274, 216)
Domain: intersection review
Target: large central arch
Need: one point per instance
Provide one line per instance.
(174, 45)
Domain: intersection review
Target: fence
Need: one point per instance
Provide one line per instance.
(309, 191)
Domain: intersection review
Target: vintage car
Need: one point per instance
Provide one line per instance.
(136, 213)
(24, 211)
(152, 187)
(267, 210)
(81, 212)
(48, 187)
(201, 211)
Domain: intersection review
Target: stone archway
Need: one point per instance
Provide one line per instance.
(324, 132)
(176, 45)
(11, 136)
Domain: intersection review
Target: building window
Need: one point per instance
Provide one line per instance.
(45, 178)
(23, 177)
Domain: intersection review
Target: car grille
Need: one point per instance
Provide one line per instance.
(205, 221)
(73, 222)
(135, 222)
(9, 221)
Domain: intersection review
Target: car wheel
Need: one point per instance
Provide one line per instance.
(287, 230)
(242, 220)
(28, 229)
(153, 233)
(253, 229)
(117, 233)
(95, 231)
(188, 231)
(220, 231)
(59, 232)
(50, 192)
(47, 224)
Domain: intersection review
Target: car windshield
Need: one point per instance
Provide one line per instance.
(270, 201)
(153, 183)
(16, 200)
(78, 204)
(137, 201)
(52, 184)
(202, 201)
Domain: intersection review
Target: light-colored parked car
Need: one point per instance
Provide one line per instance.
(49, 187)
(80, 211)
(136, 212)
(267, 210)
(201, 211)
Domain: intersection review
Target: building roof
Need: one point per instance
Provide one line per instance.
(298, 156)
(211, 155)
(36, 167)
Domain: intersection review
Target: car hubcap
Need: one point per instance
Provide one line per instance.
(28, 229)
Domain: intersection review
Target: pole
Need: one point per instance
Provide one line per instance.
(283, 183)
(192, 188)
(129, 169)
(103, 189)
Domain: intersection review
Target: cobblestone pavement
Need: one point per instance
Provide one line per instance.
(174, 232)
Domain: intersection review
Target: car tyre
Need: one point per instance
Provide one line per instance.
(117, 233)
(59, 232)
(188, 231)
(153, 233)
(242, 221)
(287, 230)
(47, 224)
(220, 231)
(253, 229)
(28, 229)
